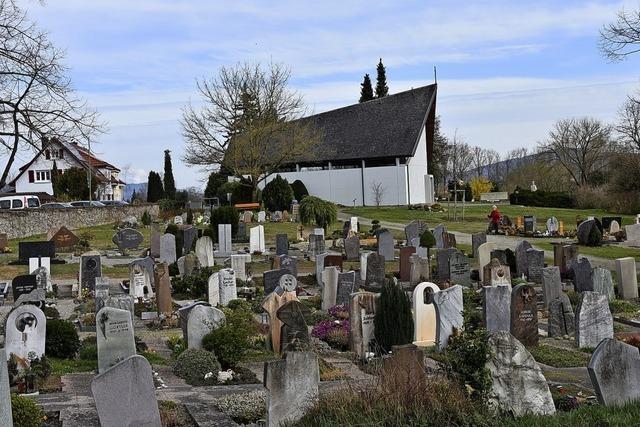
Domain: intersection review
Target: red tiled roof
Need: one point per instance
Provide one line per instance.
(93, 160)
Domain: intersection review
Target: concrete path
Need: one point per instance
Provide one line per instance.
(503, 242)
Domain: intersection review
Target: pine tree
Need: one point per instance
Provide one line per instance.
(154, 187)
(382, 89)
(393, 321)
(169, 183)
(366, 91)
(55, 178)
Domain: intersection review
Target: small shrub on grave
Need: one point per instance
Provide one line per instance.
(197, 367)
(623, 306)
(465, 360)
(146, 218)
(51, 312)
(89, 349)
(427, 239)
(231, 341)
(40, 367)
(315, 210)
(393, 321)
(277, 194)
(224, 215)
(333, 332)
(61, 339)
(314, 303)
(472, 309)
(26, 412)
(243, 408)
(177, 345)
(85, 238)
(194, 286)
(140, 344)
(242, 376)
(299, 190)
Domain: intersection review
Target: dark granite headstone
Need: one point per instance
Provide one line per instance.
(524, 315)
(271, 279)
(333, 260)
(564, 255)
(535, 264)
(477, 239)
(588, 233)
(23, 285)
(561, 318)
(375, 272)
(352, 248)
(459, 270)
(282, 244)
(522, 266)
(500, 255)
(346, 286)
(241, 234)
(127, 238)
(529, 225)
(442, 257)
(581, 272)
(607, 220)
(90, 268)
(190, 234)
(28, 250)
(293, 316)
(405, 262)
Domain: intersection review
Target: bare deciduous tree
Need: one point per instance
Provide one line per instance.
(378, 191)
(36, 96)
(459, 158)
(628, 126)
(580, 146)
(479, 158)
(622, 38)
(249, 122)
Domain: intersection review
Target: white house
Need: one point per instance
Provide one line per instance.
(385, 143)
(35, 176)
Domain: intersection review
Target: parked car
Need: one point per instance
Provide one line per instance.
(114, 202)
(19, 202)
(55, 205)
(86, 204)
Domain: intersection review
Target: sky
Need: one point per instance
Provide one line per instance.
(506, 70)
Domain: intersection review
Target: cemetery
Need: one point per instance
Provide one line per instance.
(270, 321)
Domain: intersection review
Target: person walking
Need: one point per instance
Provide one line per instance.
(494, 216)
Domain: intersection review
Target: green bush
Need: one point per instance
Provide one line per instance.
(175, 230)
(315, 210)
(224, 215)
(241, 191)
(548, 199)
(243, 408)
(194, 364)
(194, 286)
(231, 341)
(393, 321)
(89, 349)
(299, 190)
(146, 218)
(51, 312)
(277, 194)
(189, 216)
(427, 239)
(466, 357)
(26, 412)
(62, 339)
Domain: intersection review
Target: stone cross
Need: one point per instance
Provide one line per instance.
(424, 314)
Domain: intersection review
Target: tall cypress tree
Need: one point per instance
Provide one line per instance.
(154, 187)
(169, 182)
(382, 89)
(366, 91)
(55, 175)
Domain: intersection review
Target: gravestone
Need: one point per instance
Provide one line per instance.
(90, 268)
(262, 216)
(346, 286)
(405, 262)
(522, 262)
(413, 231)
(183, 314)
(607, 222)
(363, 265)
(633, 234)
(101, 293)
(535, 264)
(277, 216)
(247, 216)
(288, 263)
(238, 263)
(178, 220)
(496, 274)
(127, 238)
(114, 332)
(500, 255)
(190, 234)
(25, 332)
(561, 318)
(593, 320)
(292, 386)
(477, 239)
(459, 269)
(190, 264)
(564, 255)
(204, 251)
(614, 370)
(316, 244)
(282, 244)
(404, 367)
(582, 275)
(163, 289)
(320, 267)
(28, 250)
(61, 237)
(448, 305)
(551, 284)
(154, 250)
(293, 315)
(496, 308)
(148, 265)
(256, 239)
(180, 264)
(271, 279)
(329, 287)
(603, 283)
(424, 314)
(224, 239)
(167, 248)
(122, 302)
(353, 224)
(125, 395)
(438, 233)
(484, 257)
(529, 225)
(288, 283)
(614, 227)
(202, 320)
(524, 315)
(228, 290)
(352, 248)
(213, 289)
(375, 272)
(271, 304)
(6, 420)
(588, 233)
(241, 233)
(627, 278)
(553, 225)
(333, 260)
(420, 269)
(23, 285)
(362, 310)
(385, 245)
(140, 281)
(442, 260)
(518, 386)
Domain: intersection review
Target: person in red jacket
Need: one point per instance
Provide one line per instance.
(495, 219)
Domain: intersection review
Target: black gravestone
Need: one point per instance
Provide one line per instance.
(271, 279)
(90, 268)
(22, 285)
(282, 244)
(42, 249)
(293, 315)
(607, 220)
(127, 238)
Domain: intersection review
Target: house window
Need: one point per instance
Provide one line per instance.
(43, 176)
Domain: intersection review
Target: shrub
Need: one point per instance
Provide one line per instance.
(62, 339)
(550, 199)
(196, 285)
(333, 332)
(243, 408)
(480, 185)
(51, 312)
(189, 216)
(89, 349)
(241, 191)
(193, 365)
(427, 239)
(315, 210)
(299, 190)
(231, 341)
(277, 194)
(26, 412)
(466, 357)
(393, 321)
(592, 198)
(146, 218)
(224, 215)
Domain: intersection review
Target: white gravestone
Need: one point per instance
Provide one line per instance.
(202, 320)
(256, 240)
(228, 290)
(330, 287)
(115, 341)
(238, 264)
(214, 289)
(224, 239)
(424, 315)
(25, 332)
(627, 278)
(204, 251)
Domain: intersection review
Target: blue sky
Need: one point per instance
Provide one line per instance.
(506, 69)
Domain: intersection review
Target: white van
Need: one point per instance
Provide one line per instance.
(19, 202)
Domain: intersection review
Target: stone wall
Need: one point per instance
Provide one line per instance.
(28, 222)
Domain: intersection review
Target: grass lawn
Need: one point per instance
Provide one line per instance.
(559, 357)
(66, 366)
